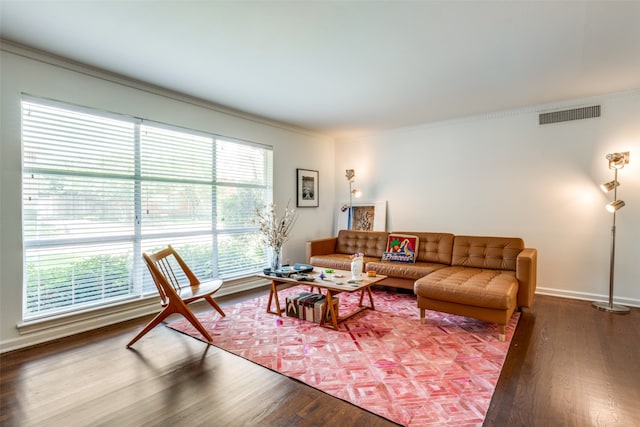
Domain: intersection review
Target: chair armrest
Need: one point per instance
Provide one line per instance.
(321, 247)
(526, 273)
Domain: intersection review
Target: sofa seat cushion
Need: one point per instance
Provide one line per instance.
(337, 261)
(403, 270)
(471, 286)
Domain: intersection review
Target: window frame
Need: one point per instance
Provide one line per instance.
(136, 239)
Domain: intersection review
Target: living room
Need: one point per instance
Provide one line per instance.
(492, 171)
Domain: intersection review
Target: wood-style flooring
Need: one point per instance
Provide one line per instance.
(568, 365)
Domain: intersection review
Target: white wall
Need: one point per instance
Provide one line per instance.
(499, 174)
(42, 76)
(504, 175)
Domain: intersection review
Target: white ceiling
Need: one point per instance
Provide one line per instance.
(344, 67)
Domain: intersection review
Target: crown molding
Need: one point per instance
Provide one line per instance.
(95, 72)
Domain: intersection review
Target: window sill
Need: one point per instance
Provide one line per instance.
(43, 330)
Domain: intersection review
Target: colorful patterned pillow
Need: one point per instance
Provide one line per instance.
(401, 248)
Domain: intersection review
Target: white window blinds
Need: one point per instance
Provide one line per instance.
(99, 189)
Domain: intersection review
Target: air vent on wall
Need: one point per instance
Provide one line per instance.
(573, 114)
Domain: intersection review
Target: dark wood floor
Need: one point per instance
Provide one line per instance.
(568, 365)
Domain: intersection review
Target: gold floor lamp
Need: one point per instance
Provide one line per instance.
(616, 161)
(353, 192)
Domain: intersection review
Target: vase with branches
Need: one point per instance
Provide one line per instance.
(275, 230)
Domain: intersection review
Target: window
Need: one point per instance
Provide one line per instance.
(99, 189)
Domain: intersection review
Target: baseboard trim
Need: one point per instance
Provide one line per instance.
(630, 302)
(64, 327)
(40, 332)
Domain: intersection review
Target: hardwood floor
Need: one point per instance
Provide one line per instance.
(568, 365)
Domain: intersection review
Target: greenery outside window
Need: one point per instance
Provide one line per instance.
(100, 188)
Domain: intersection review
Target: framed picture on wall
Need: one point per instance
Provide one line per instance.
(307, 188)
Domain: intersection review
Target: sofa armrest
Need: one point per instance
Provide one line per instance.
(321, 247)
(526, 273)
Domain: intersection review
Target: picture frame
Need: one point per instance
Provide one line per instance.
(367, 216)
(307, 188)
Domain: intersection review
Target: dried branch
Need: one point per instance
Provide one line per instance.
(274, 231)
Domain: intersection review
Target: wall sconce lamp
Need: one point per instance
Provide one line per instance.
(616, 161)
(350, 174)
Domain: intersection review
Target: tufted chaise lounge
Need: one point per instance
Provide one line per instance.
(488, 279)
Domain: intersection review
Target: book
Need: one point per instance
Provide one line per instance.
(308, 306)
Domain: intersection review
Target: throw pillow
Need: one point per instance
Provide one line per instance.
(401, 248)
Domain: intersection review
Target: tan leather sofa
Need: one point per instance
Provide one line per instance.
(486, 278)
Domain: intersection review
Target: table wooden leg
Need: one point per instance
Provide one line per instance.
(273, 294)
(323, 316)
(311, 288)
(370, 298)
(368, 290)
(328, 305)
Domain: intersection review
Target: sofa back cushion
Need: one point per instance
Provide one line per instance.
(370, 243)
(433, 247)
(497, 253)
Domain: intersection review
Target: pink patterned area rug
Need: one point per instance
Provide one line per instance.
(441, 373)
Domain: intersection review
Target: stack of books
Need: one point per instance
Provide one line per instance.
(308, 306)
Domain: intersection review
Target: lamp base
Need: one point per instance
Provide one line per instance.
(613, 308)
